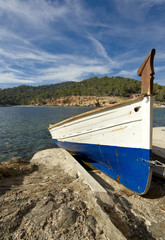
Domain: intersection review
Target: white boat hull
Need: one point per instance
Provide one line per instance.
(117, 140)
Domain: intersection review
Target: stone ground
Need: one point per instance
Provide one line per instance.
(142, 216)
(43, 201)
(45, 205)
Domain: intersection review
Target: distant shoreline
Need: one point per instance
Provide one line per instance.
(79, 101)
(154, 106)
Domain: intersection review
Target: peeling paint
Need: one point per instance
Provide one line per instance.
(101, 151)
(118, 179)
(109, 164)
(118, 162)
(117, 159)
(118, 129)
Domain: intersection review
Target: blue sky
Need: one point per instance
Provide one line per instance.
(51, 41)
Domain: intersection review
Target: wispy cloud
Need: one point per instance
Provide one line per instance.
(101, 50)
(150, 3)
(35, 12)
(12, 78)
(72, 72)
(50, 41)
(129, 74)
(63, 67)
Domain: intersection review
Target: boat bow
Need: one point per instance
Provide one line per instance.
(116, 139)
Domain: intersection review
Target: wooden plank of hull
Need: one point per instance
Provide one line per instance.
(115, 140)
(102, 109)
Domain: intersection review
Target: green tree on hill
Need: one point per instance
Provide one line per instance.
(104, 86)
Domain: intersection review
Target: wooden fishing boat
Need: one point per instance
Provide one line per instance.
(116, 139)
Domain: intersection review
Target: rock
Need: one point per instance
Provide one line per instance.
(84, 101)
(50, 203)
(16, 160)
(14, 168)
(161, 203)
(158, 229)
(65, 218)
(54, 157)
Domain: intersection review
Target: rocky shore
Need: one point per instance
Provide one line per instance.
(85, 101)
(48, 198)
(82, 101)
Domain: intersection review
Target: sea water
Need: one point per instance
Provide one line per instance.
(24, 130)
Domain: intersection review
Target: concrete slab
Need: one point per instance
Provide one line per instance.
(158, 150)
(159, 141)
(92, 183)
(133, 214)
(59, 156)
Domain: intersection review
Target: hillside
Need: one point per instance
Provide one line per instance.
(24, 94)
(105, 86)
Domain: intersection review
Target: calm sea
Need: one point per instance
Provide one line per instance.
(24, 130)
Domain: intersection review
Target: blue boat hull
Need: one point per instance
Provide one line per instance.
(126, 165)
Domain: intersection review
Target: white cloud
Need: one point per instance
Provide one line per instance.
(100, 50)
(159, 69)
(55, 68)
(36, 12)
(44, 40)
(150, 3)
(126, 73)
(12, 78)
(138, 11)
(160, 56)
(72, 72)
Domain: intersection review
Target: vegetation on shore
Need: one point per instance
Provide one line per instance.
(105, 86)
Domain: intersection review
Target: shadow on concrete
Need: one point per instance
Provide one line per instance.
(101, 181)
(120, 213)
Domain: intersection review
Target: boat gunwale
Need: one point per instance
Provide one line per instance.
(122, 103)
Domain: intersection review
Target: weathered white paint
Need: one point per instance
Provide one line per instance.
(126, 125)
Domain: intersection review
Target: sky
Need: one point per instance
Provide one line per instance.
(52, 41)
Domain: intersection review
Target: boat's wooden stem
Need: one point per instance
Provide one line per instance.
(146, 71)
